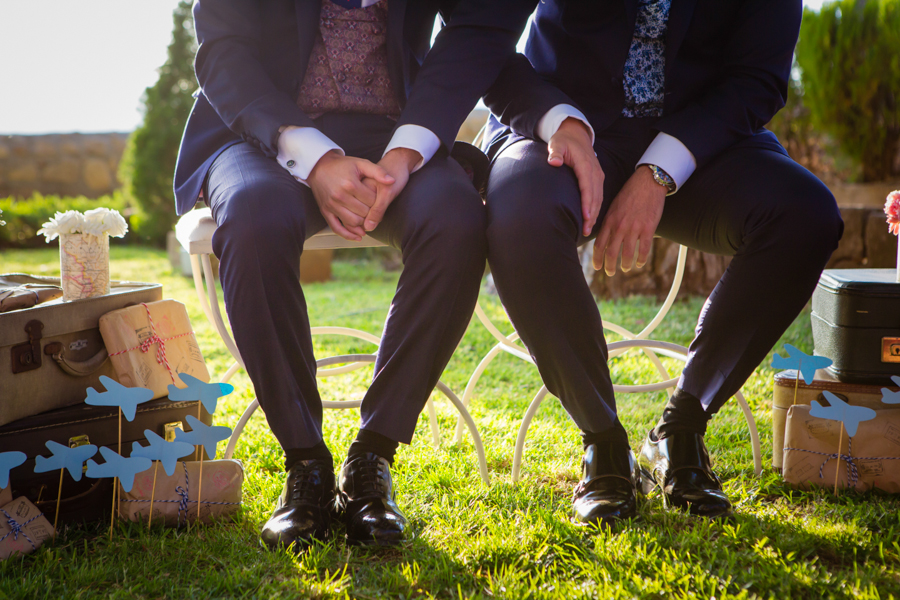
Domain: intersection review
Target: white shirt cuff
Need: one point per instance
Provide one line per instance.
(418, 138)
(670, 155)
(553, 118)
(300, 148)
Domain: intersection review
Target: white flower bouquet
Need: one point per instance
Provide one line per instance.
(84, 249)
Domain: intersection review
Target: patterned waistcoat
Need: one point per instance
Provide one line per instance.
(347, 69)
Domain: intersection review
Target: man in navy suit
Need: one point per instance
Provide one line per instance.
(293, 128)
(673, 97)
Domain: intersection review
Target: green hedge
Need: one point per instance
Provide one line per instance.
(849, 52)
(25, 216)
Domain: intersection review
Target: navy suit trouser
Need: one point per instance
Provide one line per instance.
(777, 220)
(264, 216)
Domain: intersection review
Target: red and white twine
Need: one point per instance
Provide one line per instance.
(145, 345)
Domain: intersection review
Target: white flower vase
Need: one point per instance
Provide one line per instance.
(84, 265)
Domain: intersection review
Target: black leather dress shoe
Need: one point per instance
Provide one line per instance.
(304, 510)
(679, 466)
(365, 498)
(606, 493)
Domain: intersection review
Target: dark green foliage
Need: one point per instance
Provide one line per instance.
(149, 161)
(25, 216)
(849, 52)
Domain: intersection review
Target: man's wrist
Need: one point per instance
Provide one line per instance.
(407, 157)
(661, 178)
(576, 126)
(323, 161)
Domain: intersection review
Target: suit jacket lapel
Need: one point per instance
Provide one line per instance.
(396, 56)
(679, 19)
(307, 12)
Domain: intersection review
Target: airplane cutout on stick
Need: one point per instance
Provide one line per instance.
(851, 416)
(159, 449)
(804, 363)
(207, 393)
(8, 462)
(204, 435)
(117, 465)
(889, 397)
(118, 395)
(71, 459)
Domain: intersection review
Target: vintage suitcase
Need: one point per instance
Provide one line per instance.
(88, 499)
(783, 398)
(51, 353)
(856, 323)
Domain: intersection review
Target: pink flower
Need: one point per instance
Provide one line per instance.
(892, 210)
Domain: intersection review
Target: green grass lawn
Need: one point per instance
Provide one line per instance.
(474, 541)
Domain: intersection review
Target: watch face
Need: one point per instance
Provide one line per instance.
(662, 178)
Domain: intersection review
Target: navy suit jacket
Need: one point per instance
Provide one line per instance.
(250, 64)
(727, 67)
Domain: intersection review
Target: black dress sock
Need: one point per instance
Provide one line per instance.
(683, 414)
(615, 434)
(370, 441)
(294, 455)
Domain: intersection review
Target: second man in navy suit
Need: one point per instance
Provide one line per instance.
(672, 96)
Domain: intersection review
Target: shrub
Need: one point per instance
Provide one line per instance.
(849, 53)
(25, 216)
(148, 163)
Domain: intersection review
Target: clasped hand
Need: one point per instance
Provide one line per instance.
(632, 217)
(353, 193)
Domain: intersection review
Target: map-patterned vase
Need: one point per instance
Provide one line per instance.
(84, 265)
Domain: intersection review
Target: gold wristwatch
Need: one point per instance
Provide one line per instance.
(663, 179)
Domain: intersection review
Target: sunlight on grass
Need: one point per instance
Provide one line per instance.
(472, 541)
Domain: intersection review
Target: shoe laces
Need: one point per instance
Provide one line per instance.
(305, 481)
(370, 477)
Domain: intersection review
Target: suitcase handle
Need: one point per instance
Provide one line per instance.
(74, 368)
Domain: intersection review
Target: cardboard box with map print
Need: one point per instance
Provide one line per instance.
(151, 344)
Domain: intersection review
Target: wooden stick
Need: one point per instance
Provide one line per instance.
(58, 499)
(152, 495)
(200, 485)
(115, 506)
(113, 517)
(837, 470)
(199, 454)
(796, 386)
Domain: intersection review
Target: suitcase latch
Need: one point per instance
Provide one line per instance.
(890, 350)
(170, 429)
(27, 356)
(80, 440)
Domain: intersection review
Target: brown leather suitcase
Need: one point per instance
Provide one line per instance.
(88, 499)
(51, 353)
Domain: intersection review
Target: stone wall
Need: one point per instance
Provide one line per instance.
(65, 164)
(866, 243)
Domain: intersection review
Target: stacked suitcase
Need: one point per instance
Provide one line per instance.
(49, 355)
(856, 323)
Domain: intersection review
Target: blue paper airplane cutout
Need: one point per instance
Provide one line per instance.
(117, 394)
(8, 462)
(802, 362)
(71, 459)
(207, 393)
(159, 449)
(203, 435)
(850, 416)
(889, 397)
(118, 466)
